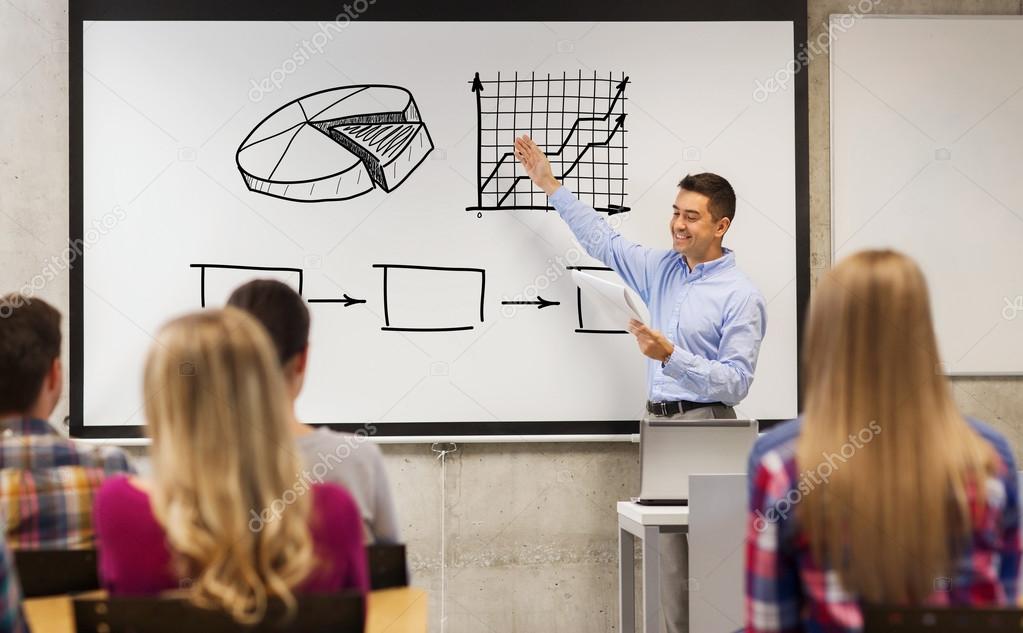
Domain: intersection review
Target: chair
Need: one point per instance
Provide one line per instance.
(888, 619)
(387, 566)
(54, 572)
(324, 613)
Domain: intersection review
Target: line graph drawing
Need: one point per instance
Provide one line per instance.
(588, 155)
(335, 144)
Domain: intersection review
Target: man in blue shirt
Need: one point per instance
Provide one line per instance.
(708, 319)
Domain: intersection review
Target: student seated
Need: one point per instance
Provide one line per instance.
(47, 482)
(343, 458)
(881, 492)
(227, 516)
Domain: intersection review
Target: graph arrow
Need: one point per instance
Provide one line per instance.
(477, 87)
(619, 122)
(620, 90)
(348, 301)
(541, 303)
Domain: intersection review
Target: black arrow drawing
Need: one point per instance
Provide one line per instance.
(348, 301)
(477, 87)
(541, 303)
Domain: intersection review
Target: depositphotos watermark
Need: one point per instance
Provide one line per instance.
(818, 46)
(306, 49)
(58, 264)
(809, 479)
(326, 462)
(1013, 307)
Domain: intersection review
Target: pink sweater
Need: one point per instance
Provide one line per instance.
(135, 558)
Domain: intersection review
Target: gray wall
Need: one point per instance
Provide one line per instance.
(530, 529)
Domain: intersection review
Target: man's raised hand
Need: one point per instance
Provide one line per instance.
(535, 162)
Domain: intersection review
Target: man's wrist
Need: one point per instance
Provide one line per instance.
(550, 186)
(671, 350)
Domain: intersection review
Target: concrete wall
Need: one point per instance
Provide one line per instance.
(529, 539)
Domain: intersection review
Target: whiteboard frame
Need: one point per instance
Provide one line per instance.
(793, 11)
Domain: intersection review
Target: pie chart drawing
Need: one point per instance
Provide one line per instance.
(335, 144)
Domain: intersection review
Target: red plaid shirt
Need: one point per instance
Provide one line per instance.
(788, 590)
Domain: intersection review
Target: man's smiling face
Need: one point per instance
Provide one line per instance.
(694, 231)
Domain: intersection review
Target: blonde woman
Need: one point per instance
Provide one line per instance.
(881, 492)
(227, 516)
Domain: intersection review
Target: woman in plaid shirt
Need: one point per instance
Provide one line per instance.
(882, 492)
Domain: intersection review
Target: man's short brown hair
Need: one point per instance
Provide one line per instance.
(717, 190)
(280, 309)
(29, 343)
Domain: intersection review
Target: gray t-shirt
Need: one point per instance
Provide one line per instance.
(356, 464)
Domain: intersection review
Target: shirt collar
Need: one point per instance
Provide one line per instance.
(706, 269)
(25, 426)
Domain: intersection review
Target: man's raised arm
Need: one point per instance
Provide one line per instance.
(633, 262)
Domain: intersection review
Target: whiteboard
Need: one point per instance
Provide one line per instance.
(926, 157)
(167, 108)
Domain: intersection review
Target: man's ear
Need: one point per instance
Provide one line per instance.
(722, 227)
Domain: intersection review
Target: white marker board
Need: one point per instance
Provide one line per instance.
(166, 106)
(926, 158)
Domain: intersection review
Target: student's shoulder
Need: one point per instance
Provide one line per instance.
(772, 466)
(333, 508)
(112, 459)
(778, 444)
(122, 486)
(119, 497)
(997, 441)
(331, 498)
(324, 443)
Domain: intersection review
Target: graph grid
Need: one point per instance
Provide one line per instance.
(577, 120)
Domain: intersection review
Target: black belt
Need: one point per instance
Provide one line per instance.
(678, 406)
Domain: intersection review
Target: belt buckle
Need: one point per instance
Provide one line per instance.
(663, 406)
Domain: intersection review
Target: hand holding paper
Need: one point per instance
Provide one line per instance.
(652, 343)
(612, 298)
(617, 302)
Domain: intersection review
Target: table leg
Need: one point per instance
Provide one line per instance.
(626, 581)
(651, 580)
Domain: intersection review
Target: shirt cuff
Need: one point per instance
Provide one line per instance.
(678, 363)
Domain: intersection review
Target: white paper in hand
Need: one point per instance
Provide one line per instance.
(614, 299)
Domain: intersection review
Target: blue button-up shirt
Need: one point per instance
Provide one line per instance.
(713, 314)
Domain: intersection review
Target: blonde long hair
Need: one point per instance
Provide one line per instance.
(896, 503)
(217, 414)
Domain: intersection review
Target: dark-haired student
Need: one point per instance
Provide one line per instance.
(707, 318)
(882, 492)
(342, 458)
(47, 482)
